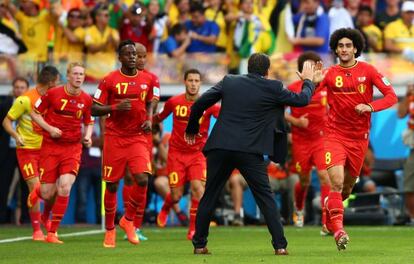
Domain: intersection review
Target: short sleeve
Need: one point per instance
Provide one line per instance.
(19, 107)
(42, 104)
(101, 93)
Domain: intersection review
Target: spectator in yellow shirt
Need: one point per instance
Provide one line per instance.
(215, 13)
(399, 35)
(179, 12)
(101, 42)
(34, 27)
(69, 39)
(373, 34)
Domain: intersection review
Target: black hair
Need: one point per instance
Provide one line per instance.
(307, 55)
(96, 9)
(20, 79)
(259, 63)
(48, 74)
(177, 29)
(352, 34)
(125, 43)
(191, 71)
(197, 7)
(365, 8)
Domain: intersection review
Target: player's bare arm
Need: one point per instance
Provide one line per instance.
(8, 127)
(53, 131)
(87, 138)
(302, 121)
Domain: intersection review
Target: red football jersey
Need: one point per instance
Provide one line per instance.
(117, 86)
(181, 109)
(66, 112)
(348, 87)
(316, 110)
(154, 87)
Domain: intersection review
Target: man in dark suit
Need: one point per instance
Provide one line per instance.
(8, 159)
(245, 131)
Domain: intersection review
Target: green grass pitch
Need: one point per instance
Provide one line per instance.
(227, 244)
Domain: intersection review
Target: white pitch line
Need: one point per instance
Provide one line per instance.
(83, 233)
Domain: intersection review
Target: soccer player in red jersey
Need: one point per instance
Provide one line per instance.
(307, 142)
(65, 109)
(122, 95)
(185, 162)
(153, 97)
(350, 98)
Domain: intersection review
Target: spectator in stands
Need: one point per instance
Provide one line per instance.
(10, 39)
(101, 42)
(312, 29)
(338, 11)
(158, 20)
(214, 12)
(390, 14)
(136, 28)
(69, 39)
(179, 12)
(370, 31)
(203, 33)
(175, 45)
(246, 33)
(399, 35)
(282, 26)
(353, 6)
(89, 177)
(406, 107)
(34, 25)
(8, 159)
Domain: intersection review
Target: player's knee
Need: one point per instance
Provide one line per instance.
(197, 192)
(111, 187)
(64, 189)
(47, 194)
(175, 197)
(142, 179)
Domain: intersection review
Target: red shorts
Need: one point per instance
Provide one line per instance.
(28, 162)
(56, 160)
(345, 152)
(185, 166)
(150, 144)
(307, 154)
(122, 152)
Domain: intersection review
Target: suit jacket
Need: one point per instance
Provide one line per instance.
(251, 118)
(4, 136)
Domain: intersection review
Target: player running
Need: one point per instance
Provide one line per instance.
(123, 96)
(307, 142)
(185, 162)
(153, 97)
(65, 109)
(350, 98)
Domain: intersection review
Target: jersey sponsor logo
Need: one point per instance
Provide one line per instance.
(156, 91)
(385, 81)
(361, 88)
(81, 105)
(38, 102)
(97, 93)
(362, 79)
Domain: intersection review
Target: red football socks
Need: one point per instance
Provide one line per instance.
(168, 203)
(193, 213)
(110, 209)
(336, 211)
(58, 211)
(324, 193)
(139, 214)
(136, 197)
(300, 195)
(35, 220)
(126, 190)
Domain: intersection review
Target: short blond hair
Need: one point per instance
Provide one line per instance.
(73, 65)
